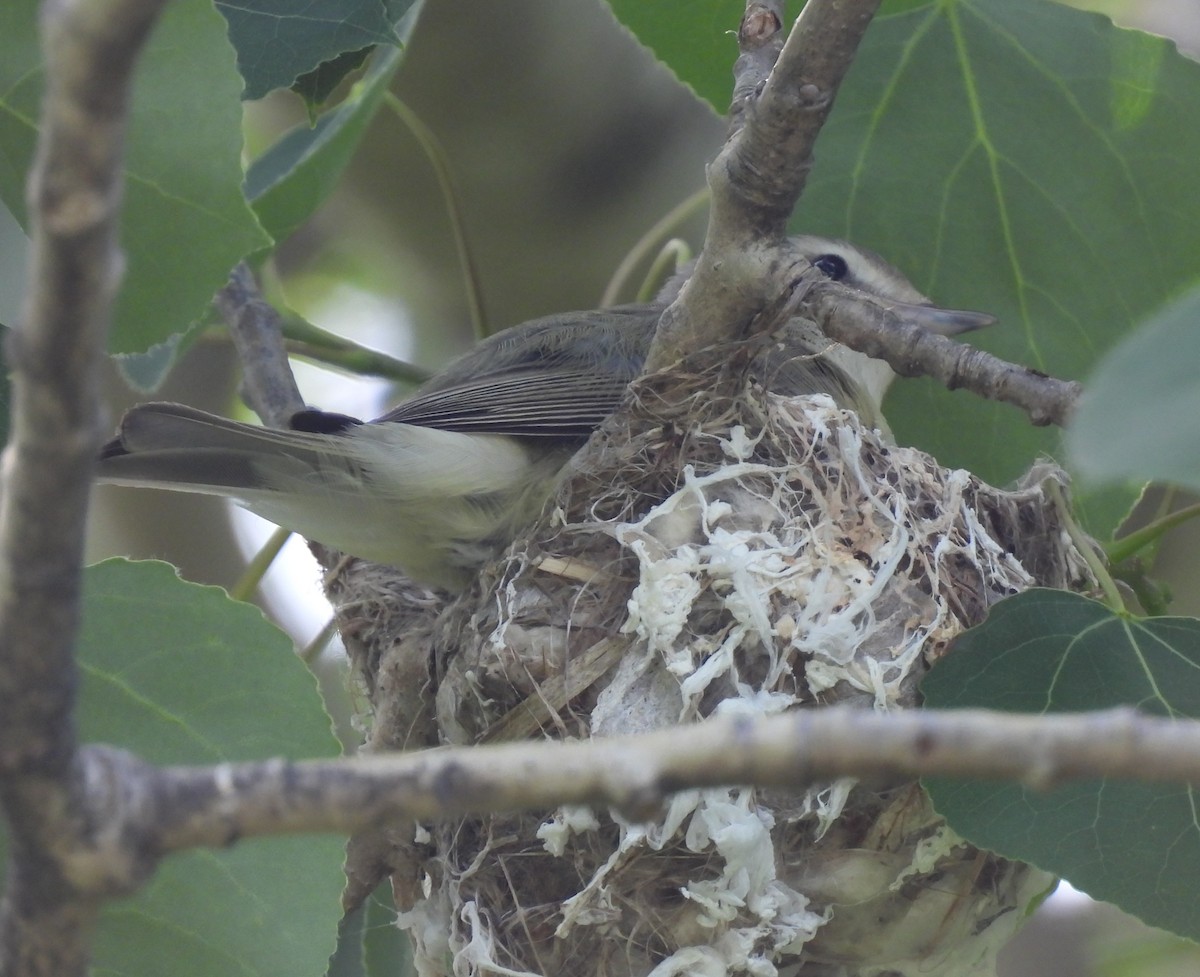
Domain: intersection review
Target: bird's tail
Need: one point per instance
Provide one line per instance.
(172, 446)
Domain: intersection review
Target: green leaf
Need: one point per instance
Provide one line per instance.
(407, 11)
(387, 951)
(696, 40)
(181, 674)
(369, 942)
(1135, 845)
(14, 245)
(185, 222)
(1137, 419)
(317, 85)
(277, 41)
(347, 958)
(145, 372)
(292, 178)
(1014, 156)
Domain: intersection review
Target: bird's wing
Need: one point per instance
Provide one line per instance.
(560, 403)
(533, 382)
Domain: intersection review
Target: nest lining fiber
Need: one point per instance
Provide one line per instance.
(710, 554)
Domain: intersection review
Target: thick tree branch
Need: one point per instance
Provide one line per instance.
(766, 165)
(759, 174)
(75, 193)
(215, 806)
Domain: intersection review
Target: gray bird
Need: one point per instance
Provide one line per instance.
(441, 483)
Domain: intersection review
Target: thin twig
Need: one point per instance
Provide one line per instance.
(862, 323)
(675, 254)
(268, 384)
(247, 584)
(647, 242)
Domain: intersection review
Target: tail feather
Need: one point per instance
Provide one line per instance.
(434, 503)
(170, 445)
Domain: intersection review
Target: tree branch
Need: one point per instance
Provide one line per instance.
(914, 352)
(75, 192)
(268, 385)
(764, 171)
(746, 266)
(864, 323)
(216, 806)
(758, 175)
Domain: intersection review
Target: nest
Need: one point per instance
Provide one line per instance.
(707, 554)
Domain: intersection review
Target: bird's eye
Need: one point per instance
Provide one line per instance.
(831, 266)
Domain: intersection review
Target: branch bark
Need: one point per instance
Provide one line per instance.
(268, 385)
(861, 322)
(635, 774)
(759, 174)
(75, 193)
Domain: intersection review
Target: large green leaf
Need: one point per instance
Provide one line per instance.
(185, 222)
(1138, 418)
(181, 674)
(277, 41)
(1015, 156)
(1136, 845)
(1052, 186)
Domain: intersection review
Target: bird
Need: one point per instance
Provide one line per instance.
(440, 484)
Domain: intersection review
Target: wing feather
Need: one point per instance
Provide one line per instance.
(560, 387)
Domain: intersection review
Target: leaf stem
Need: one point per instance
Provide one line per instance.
(312, 651)
(674, 255)
(441, 167)
(1086, 546)
(252, 576)
(1122, 549)
(665, 225)
(1153, 596)
(303, 338)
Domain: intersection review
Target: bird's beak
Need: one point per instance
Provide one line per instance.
(944, 322)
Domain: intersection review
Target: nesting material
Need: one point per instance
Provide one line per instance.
(744, 553)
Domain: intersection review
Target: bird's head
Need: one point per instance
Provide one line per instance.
(856, 267)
